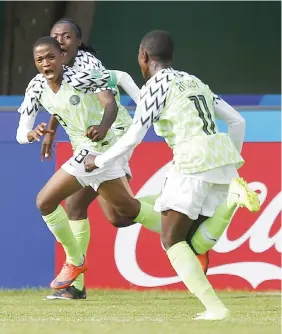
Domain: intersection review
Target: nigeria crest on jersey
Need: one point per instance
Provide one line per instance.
(74, 100)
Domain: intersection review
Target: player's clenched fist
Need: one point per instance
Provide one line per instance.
(89, 163)
(96, 132)
(38, 132)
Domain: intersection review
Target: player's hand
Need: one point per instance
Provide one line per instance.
(38, 132)
(46, 148)
(89, 164)
(96, 132)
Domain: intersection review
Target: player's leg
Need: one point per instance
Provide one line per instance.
(181, 203)
(76, 207)
(116, 193)
(204, 257)
(122, 221)
(60, 186)
(226, 200)
(175, 227)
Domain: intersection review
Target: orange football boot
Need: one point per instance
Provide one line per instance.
(204, 261)
(68, 274)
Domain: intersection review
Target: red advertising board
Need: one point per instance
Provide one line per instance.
(248, 255)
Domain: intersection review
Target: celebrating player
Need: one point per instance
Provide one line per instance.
(79, 56)
(68, 95)
(205, 161)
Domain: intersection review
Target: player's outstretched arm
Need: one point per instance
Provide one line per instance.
(151, 103)
(125, 81)
(235, 122)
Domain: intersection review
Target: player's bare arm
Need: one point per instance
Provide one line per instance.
(46, 148)
(107, 101)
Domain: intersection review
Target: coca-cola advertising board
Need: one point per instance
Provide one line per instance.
(248, 255)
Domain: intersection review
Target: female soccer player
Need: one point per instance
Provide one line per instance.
(203, 179)
(69, 95)
(80, 56)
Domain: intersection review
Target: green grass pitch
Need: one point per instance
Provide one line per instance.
(135, 312)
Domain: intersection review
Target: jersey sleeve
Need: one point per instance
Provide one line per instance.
(87, 61)
(31, 104)
(151, 103)
(125, 81)
(26, 124)
(88, 80)
(235, 122)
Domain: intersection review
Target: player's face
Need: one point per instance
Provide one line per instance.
(48, 60)
(66, 36)
(143, 62)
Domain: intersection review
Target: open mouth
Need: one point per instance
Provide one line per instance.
(48, 73)
(64, 52)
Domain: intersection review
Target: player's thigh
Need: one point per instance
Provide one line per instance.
(78, 203)
(60, 186)
(183, 194)
(175, 227)
(84, 197)
(111, 213)
(116, 193)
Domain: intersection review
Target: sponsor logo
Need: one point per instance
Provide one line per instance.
(256, 237)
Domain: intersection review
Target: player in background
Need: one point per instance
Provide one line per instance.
(205, 161)
(69, 95)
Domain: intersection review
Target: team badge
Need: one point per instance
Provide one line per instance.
(74, 100)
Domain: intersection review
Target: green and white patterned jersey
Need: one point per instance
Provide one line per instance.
(87, 61)
(74, 105)
(181, 108)
(84, 62)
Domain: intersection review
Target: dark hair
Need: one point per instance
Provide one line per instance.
(159, 44)
(47, 40)
(78, 31)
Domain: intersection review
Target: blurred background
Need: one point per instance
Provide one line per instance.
(234, 47)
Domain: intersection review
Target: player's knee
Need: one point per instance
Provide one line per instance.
(169, 239)
(129, 210)
(119, 222)
(76, 212)
(45, 204)
(166, 241)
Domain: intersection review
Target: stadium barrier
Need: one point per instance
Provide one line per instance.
(248, 256)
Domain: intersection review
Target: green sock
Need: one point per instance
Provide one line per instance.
(151, 199)
(149, 218)
(81, 232)
(58, 224)
(188, 268)
(212, 228)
